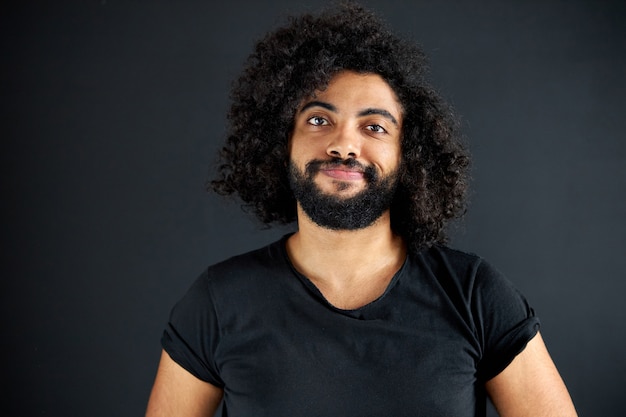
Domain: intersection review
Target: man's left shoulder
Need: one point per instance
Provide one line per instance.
(453, 257)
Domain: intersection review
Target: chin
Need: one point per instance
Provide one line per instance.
(342, 189)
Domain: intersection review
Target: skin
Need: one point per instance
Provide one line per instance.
(357, 116)
(354, 118)
(531, 386)
(176, 392)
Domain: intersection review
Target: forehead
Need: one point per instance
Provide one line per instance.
(350, 88)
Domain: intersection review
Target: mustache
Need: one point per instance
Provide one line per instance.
(313, 167)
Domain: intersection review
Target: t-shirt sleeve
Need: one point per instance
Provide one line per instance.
(505, 321)
(192, 333)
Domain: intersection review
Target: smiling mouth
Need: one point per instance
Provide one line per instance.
(341, 170)
(343, 174)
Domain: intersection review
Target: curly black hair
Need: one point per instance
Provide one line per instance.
(291, 63)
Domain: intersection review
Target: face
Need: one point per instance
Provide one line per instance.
(345, 151)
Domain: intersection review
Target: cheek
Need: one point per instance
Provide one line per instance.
(304, 149)
(293, 150)
(298, 153)
(293, 146)
(388, 156)
(396, 153)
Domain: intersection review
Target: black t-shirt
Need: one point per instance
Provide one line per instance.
(253, 325)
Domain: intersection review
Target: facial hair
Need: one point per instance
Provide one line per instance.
(342, 213)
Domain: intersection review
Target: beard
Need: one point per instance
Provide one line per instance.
(343, 213)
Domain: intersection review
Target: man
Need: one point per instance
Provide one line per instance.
(363, 311)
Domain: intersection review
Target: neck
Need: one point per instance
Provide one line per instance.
(351, 267)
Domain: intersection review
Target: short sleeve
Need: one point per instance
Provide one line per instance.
(504, 320)
(192, 333)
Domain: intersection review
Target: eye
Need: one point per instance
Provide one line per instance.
(376, 129)
(317, 121)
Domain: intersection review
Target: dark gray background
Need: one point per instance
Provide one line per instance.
(111, 115)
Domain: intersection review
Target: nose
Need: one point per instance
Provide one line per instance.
(344, 145)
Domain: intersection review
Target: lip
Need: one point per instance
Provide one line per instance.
(343, 174)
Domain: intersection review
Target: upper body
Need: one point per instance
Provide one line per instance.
(369, 164)
(254, 326)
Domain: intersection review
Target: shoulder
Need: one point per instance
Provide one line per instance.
(458, 263)
(236, 280)
(446, 263)
(499, 315)
(247, 271)
(266, 257)
(467, 276)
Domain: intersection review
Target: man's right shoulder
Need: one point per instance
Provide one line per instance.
(254, 265)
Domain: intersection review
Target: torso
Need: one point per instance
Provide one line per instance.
(424, 347)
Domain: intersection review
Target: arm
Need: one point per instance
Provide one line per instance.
(531, 386)
(176, 392)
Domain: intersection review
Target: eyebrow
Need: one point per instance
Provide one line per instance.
(365, 112)
(381, 112)
(322, 104)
